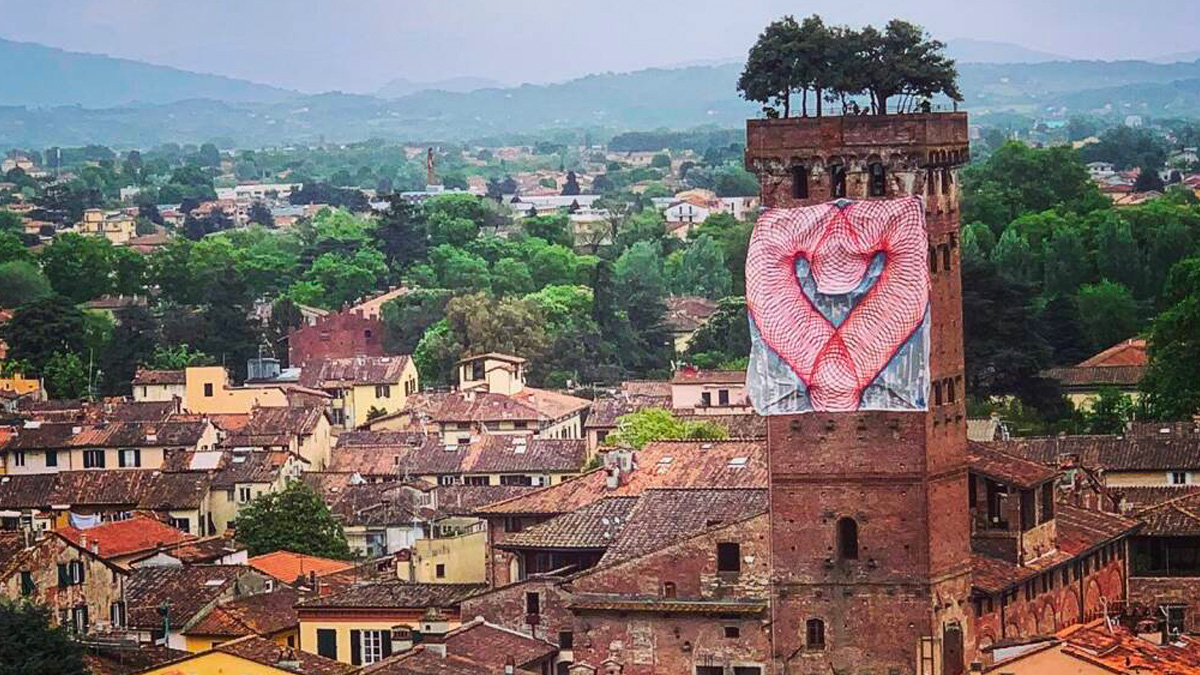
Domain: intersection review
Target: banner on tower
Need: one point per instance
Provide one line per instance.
(838, 300)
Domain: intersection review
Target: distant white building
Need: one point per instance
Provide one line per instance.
(1133, 121)
(1100, 170)
(259, 191)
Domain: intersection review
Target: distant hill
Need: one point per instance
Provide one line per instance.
(967, 50)
(403, 87)
(678, 98)
(36, 75)
(1178, 57)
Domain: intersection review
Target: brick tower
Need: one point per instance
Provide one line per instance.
(869, 526)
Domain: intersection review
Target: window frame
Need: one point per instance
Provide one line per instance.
(729, 557)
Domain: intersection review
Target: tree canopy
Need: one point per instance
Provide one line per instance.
(294, 519)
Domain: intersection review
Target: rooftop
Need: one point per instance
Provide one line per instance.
(355, 370)
(158, 377)
(993, 463)
(1163, 452)
(663, 464)
(262, 614)
(690, 375)
(126, 537)
(287, 566)
(396, 595)
(188, 590)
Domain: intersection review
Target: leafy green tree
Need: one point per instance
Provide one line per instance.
(437, 353)
(79, 267)
(294, 519)
(40, 328)
(1117, 256)
(1171, 386)
(639, 282)
(32, 645)
(724, 336)
(1110, 413)
(1013, 258)
(22, 282)
(65, 376)
(452, 267)
(129, 271)
(637, 430)
(1108, 313)
(177, 357)
(401, 234)
(1126, 148)
(977, 241)
(554, 264)
(452, 230)
(406, 318)
(481, 324)
(1065, 262)
(571, 185)
(11, 222)
(554, 229)
(1148, 179)
(335, 280)
(1017, 179)
(734, 237)
(1060, 324)
(700, 270)
(511, 277)
(12, 248)
(904, 61)
(132, 344)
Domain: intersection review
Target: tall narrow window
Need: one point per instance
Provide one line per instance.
(945, 256)
(837, 181)
(814, 637)
(1047, 511)
(877, 185)
(533, 603)
(847, 535)
(729, 557)
(947, 180)
(799, 182)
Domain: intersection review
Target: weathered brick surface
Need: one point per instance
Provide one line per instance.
(1084, 596)
(336, 336)
(506, 606)
(900, 476)
(102, 584)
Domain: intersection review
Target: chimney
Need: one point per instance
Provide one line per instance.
(434, 627)
(402, 639)
(510, 666)
(288, 660)
(612, 478)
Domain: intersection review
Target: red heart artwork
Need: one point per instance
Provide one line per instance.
(836, 363)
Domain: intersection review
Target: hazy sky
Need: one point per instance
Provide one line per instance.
(358, 45)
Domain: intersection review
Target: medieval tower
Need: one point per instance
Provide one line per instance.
(869, 525)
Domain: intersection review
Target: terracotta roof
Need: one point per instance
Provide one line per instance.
(269, 653)
(1112, 453)
(665, 517)
(396, 595)
(496, 356)
(1175, 517)
(528, 405)
(127, 660)
(204, 551)
(262, 614)
(1078, 530)
(1120, 650)
(1002, 467)
(656, 388)
(148, 377)
(496, 453)
(1130, 352)
(188, 590)
(463, 500)
(662, 464)
(750, 425)
(141, 411)
(65, 435)
(133, 488)
(690, 375)
(287, 566)
(126, 537)
(605, 411)
(1096, 376)
(254, 466)
(594, 526)
(373, 505)
(421, 661)
(355, 370)
(275, 426)
(686, 313)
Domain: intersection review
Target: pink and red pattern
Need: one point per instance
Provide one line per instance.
(837, 363)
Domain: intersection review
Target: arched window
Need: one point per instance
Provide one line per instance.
(847, 539)
(668, 589)
(950, 390)
(877, 183)
(937, 392)
(814, 634)
(930, 187)
(933, 260)
(947, 180)
(945, 248)
(837, 181)
(799, 182)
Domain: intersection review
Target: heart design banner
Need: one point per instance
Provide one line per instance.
(870, 259)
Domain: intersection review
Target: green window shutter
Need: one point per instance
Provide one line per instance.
(63, 579)
(355, 648)
(387, 643)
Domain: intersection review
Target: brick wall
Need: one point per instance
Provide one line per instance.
(336, 336)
